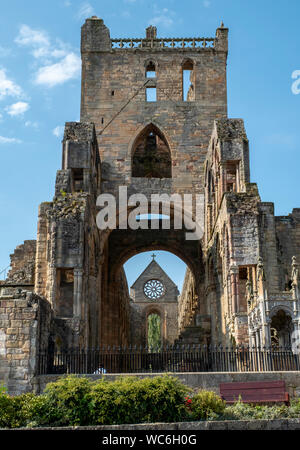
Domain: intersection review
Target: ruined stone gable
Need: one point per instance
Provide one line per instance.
(154, 293)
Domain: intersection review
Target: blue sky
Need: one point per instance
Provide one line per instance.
(40, 90)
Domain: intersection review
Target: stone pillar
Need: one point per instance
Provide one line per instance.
(209, 221)
(255, 338)
(234, 273)
(295, 285)
(237, 178)
(77, 292)
(222, 179)
(252, 339)
(41, 251)
(266, 335)
(52, 286)
(258, 337)
(52, 275)
(295, 334)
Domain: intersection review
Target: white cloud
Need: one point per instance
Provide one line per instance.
(162, 18)
(5, 140)
(8, 87)
(57, 63)
(85, 10)
(28, 36)
(17, 109)
(67, 3)
(30, 124)
(129, 1)
(58, 53)
(40, 43)
(58, 131)
(58, 73)
(206, 3)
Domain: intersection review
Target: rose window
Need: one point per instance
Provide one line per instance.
(154, 289)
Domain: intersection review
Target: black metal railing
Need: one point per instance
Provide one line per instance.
(179, 358)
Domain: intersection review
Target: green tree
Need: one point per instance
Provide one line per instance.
(154, 337)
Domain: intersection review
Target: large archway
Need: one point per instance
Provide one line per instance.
(155, 280)
(122, 245)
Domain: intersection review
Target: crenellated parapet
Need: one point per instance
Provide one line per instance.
(95, 37)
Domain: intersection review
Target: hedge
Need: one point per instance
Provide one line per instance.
(73, 400)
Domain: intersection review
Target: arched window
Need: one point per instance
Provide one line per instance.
(281, 329)
(151, 156)
(154, 331)
(150, 70)
(64, 292)
(188, 81)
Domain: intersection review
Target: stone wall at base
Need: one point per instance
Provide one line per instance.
(276, 424)
(198, 380)
(24, 331)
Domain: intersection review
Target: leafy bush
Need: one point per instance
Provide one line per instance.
(6, 410)
(207, 405)
(64, 402)
(246, 411)
(79, 401)
(74, 400)
(39, 411)
(12, 410)
(293, 411)
(133, 400)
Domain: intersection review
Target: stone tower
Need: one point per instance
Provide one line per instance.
(153, 122)
(123, 139)
(116, 77)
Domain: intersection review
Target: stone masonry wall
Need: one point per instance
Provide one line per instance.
(22, 264)
(288, 244)
(24, 331)
(114, 98)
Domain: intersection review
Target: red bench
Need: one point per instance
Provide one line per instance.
(255, 392)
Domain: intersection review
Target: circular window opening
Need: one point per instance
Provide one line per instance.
(154, 289)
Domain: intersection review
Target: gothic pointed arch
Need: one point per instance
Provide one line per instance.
(281, 327)
(151, 156)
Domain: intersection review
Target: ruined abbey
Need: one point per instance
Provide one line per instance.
(139, 129)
